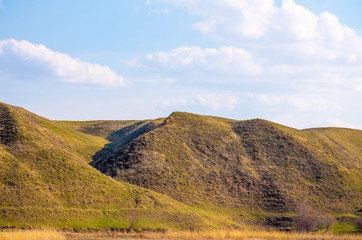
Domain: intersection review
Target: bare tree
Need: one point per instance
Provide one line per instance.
(310, 219)
(306, 220)
(133, 217)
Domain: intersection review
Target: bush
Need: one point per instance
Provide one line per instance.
(133, 217)
(310, 219)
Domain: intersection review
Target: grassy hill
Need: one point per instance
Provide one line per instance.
(252, 166)
(183, 171)
(45, 180)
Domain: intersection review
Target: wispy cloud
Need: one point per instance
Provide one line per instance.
(302, 103)
(160, 11)
(229, 60)
(215, 102)
(22, 59)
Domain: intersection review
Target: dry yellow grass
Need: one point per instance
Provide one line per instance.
(176, 235)
(216, 235)
(32, 235)
(255, 235)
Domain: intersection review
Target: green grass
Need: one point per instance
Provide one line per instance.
(344, 227)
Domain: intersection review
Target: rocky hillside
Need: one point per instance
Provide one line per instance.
(253, 164)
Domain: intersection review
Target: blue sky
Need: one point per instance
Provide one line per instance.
(298, 63)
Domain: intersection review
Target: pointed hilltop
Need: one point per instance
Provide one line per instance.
(45, 180)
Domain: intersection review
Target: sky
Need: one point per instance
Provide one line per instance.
(294, 62)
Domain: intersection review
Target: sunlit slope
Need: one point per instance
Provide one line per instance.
(45, 180)
(252, 164)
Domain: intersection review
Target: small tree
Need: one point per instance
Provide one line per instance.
(310, 219)
(306, 220)
(133, 217)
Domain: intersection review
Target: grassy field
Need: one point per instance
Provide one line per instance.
(180, 235)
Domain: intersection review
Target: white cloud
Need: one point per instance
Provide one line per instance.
(289, 30)
(229, 60)
(23, 59)
(230, 17)
(215, 102)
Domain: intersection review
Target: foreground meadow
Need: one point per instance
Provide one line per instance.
(180, 235)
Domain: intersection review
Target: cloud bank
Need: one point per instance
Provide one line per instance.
(24, 60)
(283, 60)
(290, 30)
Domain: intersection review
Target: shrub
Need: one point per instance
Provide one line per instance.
(133, 217)
(310, 219)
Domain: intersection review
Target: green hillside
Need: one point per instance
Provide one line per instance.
(45, 180)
